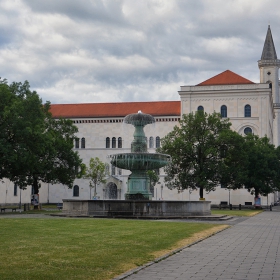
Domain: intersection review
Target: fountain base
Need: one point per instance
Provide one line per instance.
(152, 209)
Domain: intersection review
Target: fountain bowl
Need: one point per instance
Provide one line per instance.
(140, 161)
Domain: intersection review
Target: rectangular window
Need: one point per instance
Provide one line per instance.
(77, 143)
(15, 189)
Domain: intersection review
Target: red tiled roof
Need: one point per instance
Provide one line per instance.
(96, 110)
(226, 78)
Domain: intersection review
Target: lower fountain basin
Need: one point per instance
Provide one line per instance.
(140, 161)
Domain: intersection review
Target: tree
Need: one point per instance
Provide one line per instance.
(35, 147)
(234, 160)
(154, 178)
(196, 148)
(96, 172)
(262, 165)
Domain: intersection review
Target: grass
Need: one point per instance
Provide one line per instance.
(245, 212)
(87, 248)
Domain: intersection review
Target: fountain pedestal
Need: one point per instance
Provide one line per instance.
(138, 186)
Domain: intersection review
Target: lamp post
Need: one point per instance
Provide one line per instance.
(161, 188)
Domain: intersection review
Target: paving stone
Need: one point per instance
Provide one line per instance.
(248, 250)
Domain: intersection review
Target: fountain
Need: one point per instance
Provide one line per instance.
(139, 161)
(137, 203)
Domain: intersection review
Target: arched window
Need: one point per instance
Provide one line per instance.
(248, 130)
(224, 111)
(114, 142)
(76, 190)
(247, 111)
(157, 142)
(107, 142)
(77, 143)
(83, 143)
(200, 108)
(119, 142)
(270, 83)
(151, 142)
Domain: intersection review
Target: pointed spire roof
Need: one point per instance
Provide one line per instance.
(269, 52)
(226, 78)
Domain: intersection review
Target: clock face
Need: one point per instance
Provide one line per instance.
(268, 73)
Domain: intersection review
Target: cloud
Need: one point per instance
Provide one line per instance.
(112, 51)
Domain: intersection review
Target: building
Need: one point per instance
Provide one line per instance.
(251, 107)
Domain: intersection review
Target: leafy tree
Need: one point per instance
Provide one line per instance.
(154, 178)
(96, 172)
(197, 148)
(34, 147)
(262, 165)
(233, 170)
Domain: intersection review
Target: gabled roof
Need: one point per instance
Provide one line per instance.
(226, 78)
(269, 52)
(109, 110)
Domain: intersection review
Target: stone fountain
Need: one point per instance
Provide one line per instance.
(139, 161)
(137, 203)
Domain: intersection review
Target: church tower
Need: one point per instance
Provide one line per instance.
(269, 73)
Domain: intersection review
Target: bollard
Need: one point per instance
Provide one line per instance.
(239, 207)
(230, 207)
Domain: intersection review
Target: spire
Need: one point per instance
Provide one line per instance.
(269, 52)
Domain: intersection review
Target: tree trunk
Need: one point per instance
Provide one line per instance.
(35, 190)
(257, 192)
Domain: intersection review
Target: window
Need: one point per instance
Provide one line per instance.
(114, 142)
(15, 189)
(224, 111)
(77, 143)
(157, 142)
(223, 185)
(200, 108)
(247, 111)
(76, 190)
(120, 171)
(151, 142)
(248, 130)
(83, 143)
(119, 142)
(107, 142)
(113, 170)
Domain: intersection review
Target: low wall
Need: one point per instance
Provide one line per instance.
(126, 208)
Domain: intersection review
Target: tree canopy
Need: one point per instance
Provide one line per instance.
(198, 147)
(262, 165)
(34, 147)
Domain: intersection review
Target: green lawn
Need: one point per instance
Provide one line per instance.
(85, 248)
(246, 212)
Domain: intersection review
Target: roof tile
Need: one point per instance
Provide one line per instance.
(108, 110)
(226, 78)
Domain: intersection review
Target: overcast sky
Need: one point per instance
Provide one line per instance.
(90, 51)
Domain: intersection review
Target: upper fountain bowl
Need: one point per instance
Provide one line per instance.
(139, 119)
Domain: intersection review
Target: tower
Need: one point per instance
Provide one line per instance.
(269, 74)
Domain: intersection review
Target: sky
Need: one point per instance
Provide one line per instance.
(92, 51)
